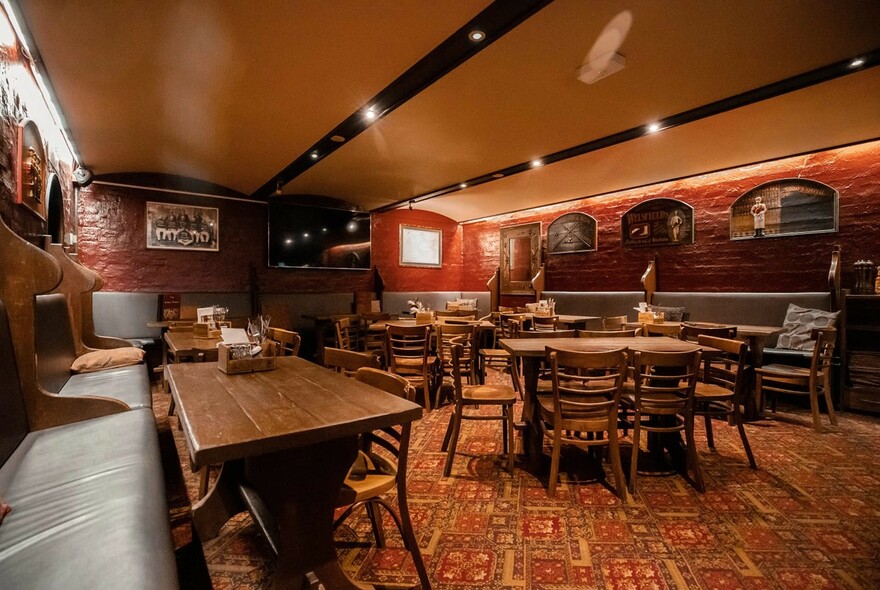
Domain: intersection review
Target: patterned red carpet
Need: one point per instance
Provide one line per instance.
(808, 518)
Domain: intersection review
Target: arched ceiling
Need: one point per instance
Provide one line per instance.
(233, 92)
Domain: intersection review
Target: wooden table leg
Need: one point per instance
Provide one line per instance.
(299, 488)
(221, 503)
(753, 410)
(532, 435)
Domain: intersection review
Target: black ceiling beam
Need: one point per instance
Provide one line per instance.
(755, 95)
(494, 21)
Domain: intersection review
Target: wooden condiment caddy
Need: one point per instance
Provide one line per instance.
(232, 366)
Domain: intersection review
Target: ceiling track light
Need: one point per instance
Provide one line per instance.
(410, 205)
(278, 185)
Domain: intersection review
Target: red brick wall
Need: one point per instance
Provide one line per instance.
(113, 242)
(713, 263)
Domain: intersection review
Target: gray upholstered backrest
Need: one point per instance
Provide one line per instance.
(125, 315)
(597, 303)
(761, 309)
(53, 340)
(484, 300)
(13, 416)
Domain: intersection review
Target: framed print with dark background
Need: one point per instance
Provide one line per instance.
(572, 232)
(787, 207)
(658, 222)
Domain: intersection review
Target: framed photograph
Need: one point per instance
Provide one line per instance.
(182, 227)
(658, 222)
(31, 169)
(421, 246)
(787, 207)
(572, 232)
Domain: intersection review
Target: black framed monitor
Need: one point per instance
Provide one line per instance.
(302, 236)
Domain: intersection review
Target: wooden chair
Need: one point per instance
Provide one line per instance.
(475, 396)
(446, 313)
(663, 392)
(779, 378)
(348, 362)
(381, 467)
(721, 393)
(692, 332)
(374, 339)
(510, 324)
(547, 334)
(408, 349)
(348, 333)
(609, 333)
(614, 322)
(287, 343)
(584, 400)
(545, 323)
(463, 334)
(671, 330)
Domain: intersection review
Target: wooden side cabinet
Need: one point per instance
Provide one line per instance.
(861, 353)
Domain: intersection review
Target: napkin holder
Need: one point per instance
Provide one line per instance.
(650, 317)
(232, 366)
(424, 317)
(205, 330)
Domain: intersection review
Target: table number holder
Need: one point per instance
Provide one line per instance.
(232, 366)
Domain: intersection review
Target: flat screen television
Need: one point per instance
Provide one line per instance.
(302, 236)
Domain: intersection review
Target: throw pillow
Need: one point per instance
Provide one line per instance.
(799, 325)
(111, 358)
(466, 303)
(670, 314)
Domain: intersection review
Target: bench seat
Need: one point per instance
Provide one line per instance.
(130, 385)
(56, 352)
(88, 508)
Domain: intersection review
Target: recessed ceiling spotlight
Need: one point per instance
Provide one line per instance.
(537, 163)
(857, 62)
(371, 114)
(462, 185)
(337, 138)
(314, 155)
(288, 241)
(497, 175)
(653, 127)
(476, 35)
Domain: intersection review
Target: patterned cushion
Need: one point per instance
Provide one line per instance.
(670, 314)
(799, 325)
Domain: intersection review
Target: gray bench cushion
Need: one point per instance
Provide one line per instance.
(130, 385)
(597, 303)
(88, 508)
(759, 309)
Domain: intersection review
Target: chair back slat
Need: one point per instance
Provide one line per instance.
(631, 333)
(665, 381)
(348, 362)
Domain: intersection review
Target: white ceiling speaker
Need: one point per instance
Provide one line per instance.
(603, 59)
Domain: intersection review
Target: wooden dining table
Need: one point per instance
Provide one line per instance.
(286, 439)
(567, 321)
(531, 351)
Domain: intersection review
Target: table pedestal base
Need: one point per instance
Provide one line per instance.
(299, 488)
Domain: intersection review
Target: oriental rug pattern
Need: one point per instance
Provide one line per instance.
(809, 517)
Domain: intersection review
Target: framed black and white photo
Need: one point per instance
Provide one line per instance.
(182, 227)
(786, 207)
(421, 246)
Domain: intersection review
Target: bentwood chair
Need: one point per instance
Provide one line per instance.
(692, 332)
(721, 393)
(609, 333)
(381, 467)
(582, 407)
(408, 353)
(287, 343)
(348, 362)
(614, 322)
(671, 330)
(545, 323)
(473, 396)
(663, 392)
(348, 333)
(778, 378)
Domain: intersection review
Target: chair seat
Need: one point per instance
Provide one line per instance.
(375, 477)
(588, 422)
(495, 353)
(414, 362)
(711, 392)
(501, 394)
(784, 371)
